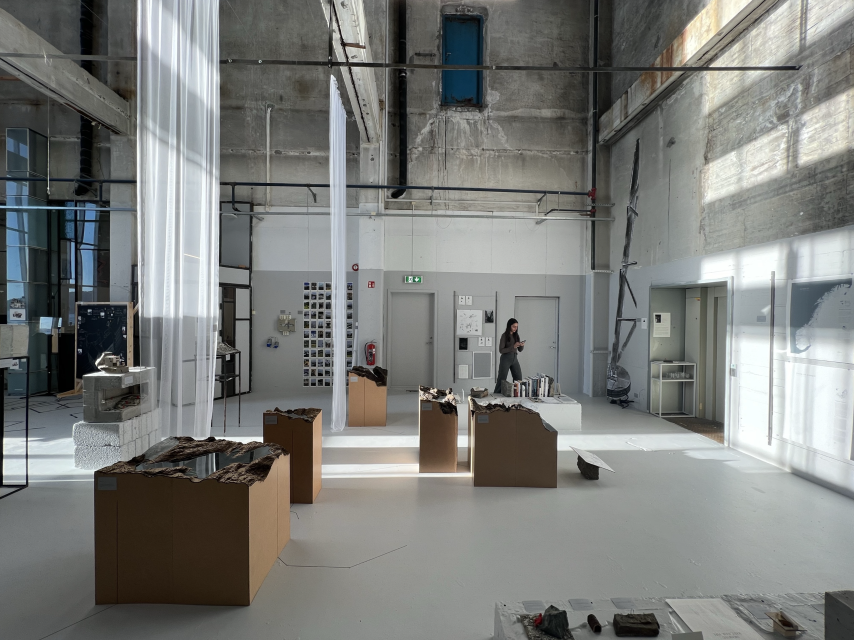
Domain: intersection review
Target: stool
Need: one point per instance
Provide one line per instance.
(223, 379)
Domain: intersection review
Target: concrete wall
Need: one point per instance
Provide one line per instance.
(642, 29)
(532, 130)
(743, 174)
(299, 122)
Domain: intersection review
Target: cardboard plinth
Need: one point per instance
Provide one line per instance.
(437, 438)
(366, 402)
(512, 448)
(162, 540)
(304, 441)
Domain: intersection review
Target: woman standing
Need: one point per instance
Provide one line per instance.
(509, 346)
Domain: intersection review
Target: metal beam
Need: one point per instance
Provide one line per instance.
(278, 62)
(60, 78)
(707, 35)
(349, 35)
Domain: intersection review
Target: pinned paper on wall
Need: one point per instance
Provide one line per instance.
(463, 371)
(469, 322)
(660, 325)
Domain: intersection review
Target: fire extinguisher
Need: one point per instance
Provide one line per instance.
(371, 354)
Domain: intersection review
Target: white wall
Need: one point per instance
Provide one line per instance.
(813, 399)
(486, 246)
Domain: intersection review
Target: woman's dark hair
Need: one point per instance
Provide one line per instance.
(510, 323)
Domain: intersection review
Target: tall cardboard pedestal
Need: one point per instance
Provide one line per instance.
(303, 439)
(511, 448)
(366, 403)
(437, 438)
(175, 541)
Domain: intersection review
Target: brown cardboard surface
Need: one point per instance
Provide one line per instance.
(356, 401)
(376, 402)
(437, 439)
(172, 540)
(493, 449)
(106, 542)
(366, 402)
(536, 452)
(304, 441)
(210, 544)
(145, 529)
(264, 527)
(284, 500)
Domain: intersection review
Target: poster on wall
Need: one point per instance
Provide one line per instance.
(469, 322)
(319, 352)
(660, 325)
(820, 319)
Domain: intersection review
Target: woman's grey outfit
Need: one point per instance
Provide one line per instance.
(509, 362)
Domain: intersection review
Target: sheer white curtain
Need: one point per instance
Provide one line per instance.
(338, 210)
(178, 193)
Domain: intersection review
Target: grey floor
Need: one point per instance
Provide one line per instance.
(429, 556)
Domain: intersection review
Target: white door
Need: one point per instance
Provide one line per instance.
(410, 343)
(538, 319)
(720, 357)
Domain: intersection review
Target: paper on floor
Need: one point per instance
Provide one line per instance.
(714, 618)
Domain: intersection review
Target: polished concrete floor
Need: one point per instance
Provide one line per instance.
(387, 554)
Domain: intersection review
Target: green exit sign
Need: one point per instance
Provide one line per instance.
(412, 280)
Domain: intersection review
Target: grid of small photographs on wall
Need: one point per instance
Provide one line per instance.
(318, 351)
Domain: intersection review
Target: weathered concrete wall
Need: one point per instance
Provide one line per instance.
(731, 160)
(292, 30)
(743, 174)
(642, 29)
(532, 130)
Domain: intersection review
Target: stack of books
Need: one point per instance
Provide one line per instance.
(536, 386)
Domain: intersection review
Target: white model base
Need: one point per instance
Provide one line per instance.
(128, 439)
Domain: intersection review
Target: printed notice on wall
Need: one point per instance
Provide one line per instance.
(660, 325)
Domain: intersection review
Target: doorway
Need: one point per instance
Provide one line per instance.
(411, 322)
(538, 322)
(694, 343)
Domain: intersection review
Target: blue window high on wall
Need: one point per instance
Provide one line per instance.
(462, 43)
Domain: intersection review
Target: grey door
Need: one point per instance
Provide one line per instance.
(538, 327)
(410, 344)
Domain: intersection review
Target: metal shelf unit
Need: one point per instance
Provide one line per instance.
(660, 380)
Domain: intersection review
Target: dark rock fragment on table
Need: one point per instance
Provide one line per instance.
(593, 623)
(555, 623)
(589, 471)
(637, 625)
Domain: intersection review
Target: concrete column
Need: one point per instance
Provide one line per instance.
(123, 225)
(597, 338)
(371, 301)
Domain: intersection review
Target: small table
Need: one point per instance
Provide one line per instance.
(224, 379)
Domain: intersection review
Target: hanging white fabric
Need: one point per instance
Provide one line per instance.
(338, 224)
(178, 203)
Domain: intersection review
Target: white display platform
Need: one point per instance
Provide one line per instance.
(806, 609)
(562, 412)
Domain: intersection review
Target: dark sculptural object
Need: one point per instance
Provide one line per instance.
(592, 621)
(555, 623)
(637, 625)
(619, 381)
(589, 471)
